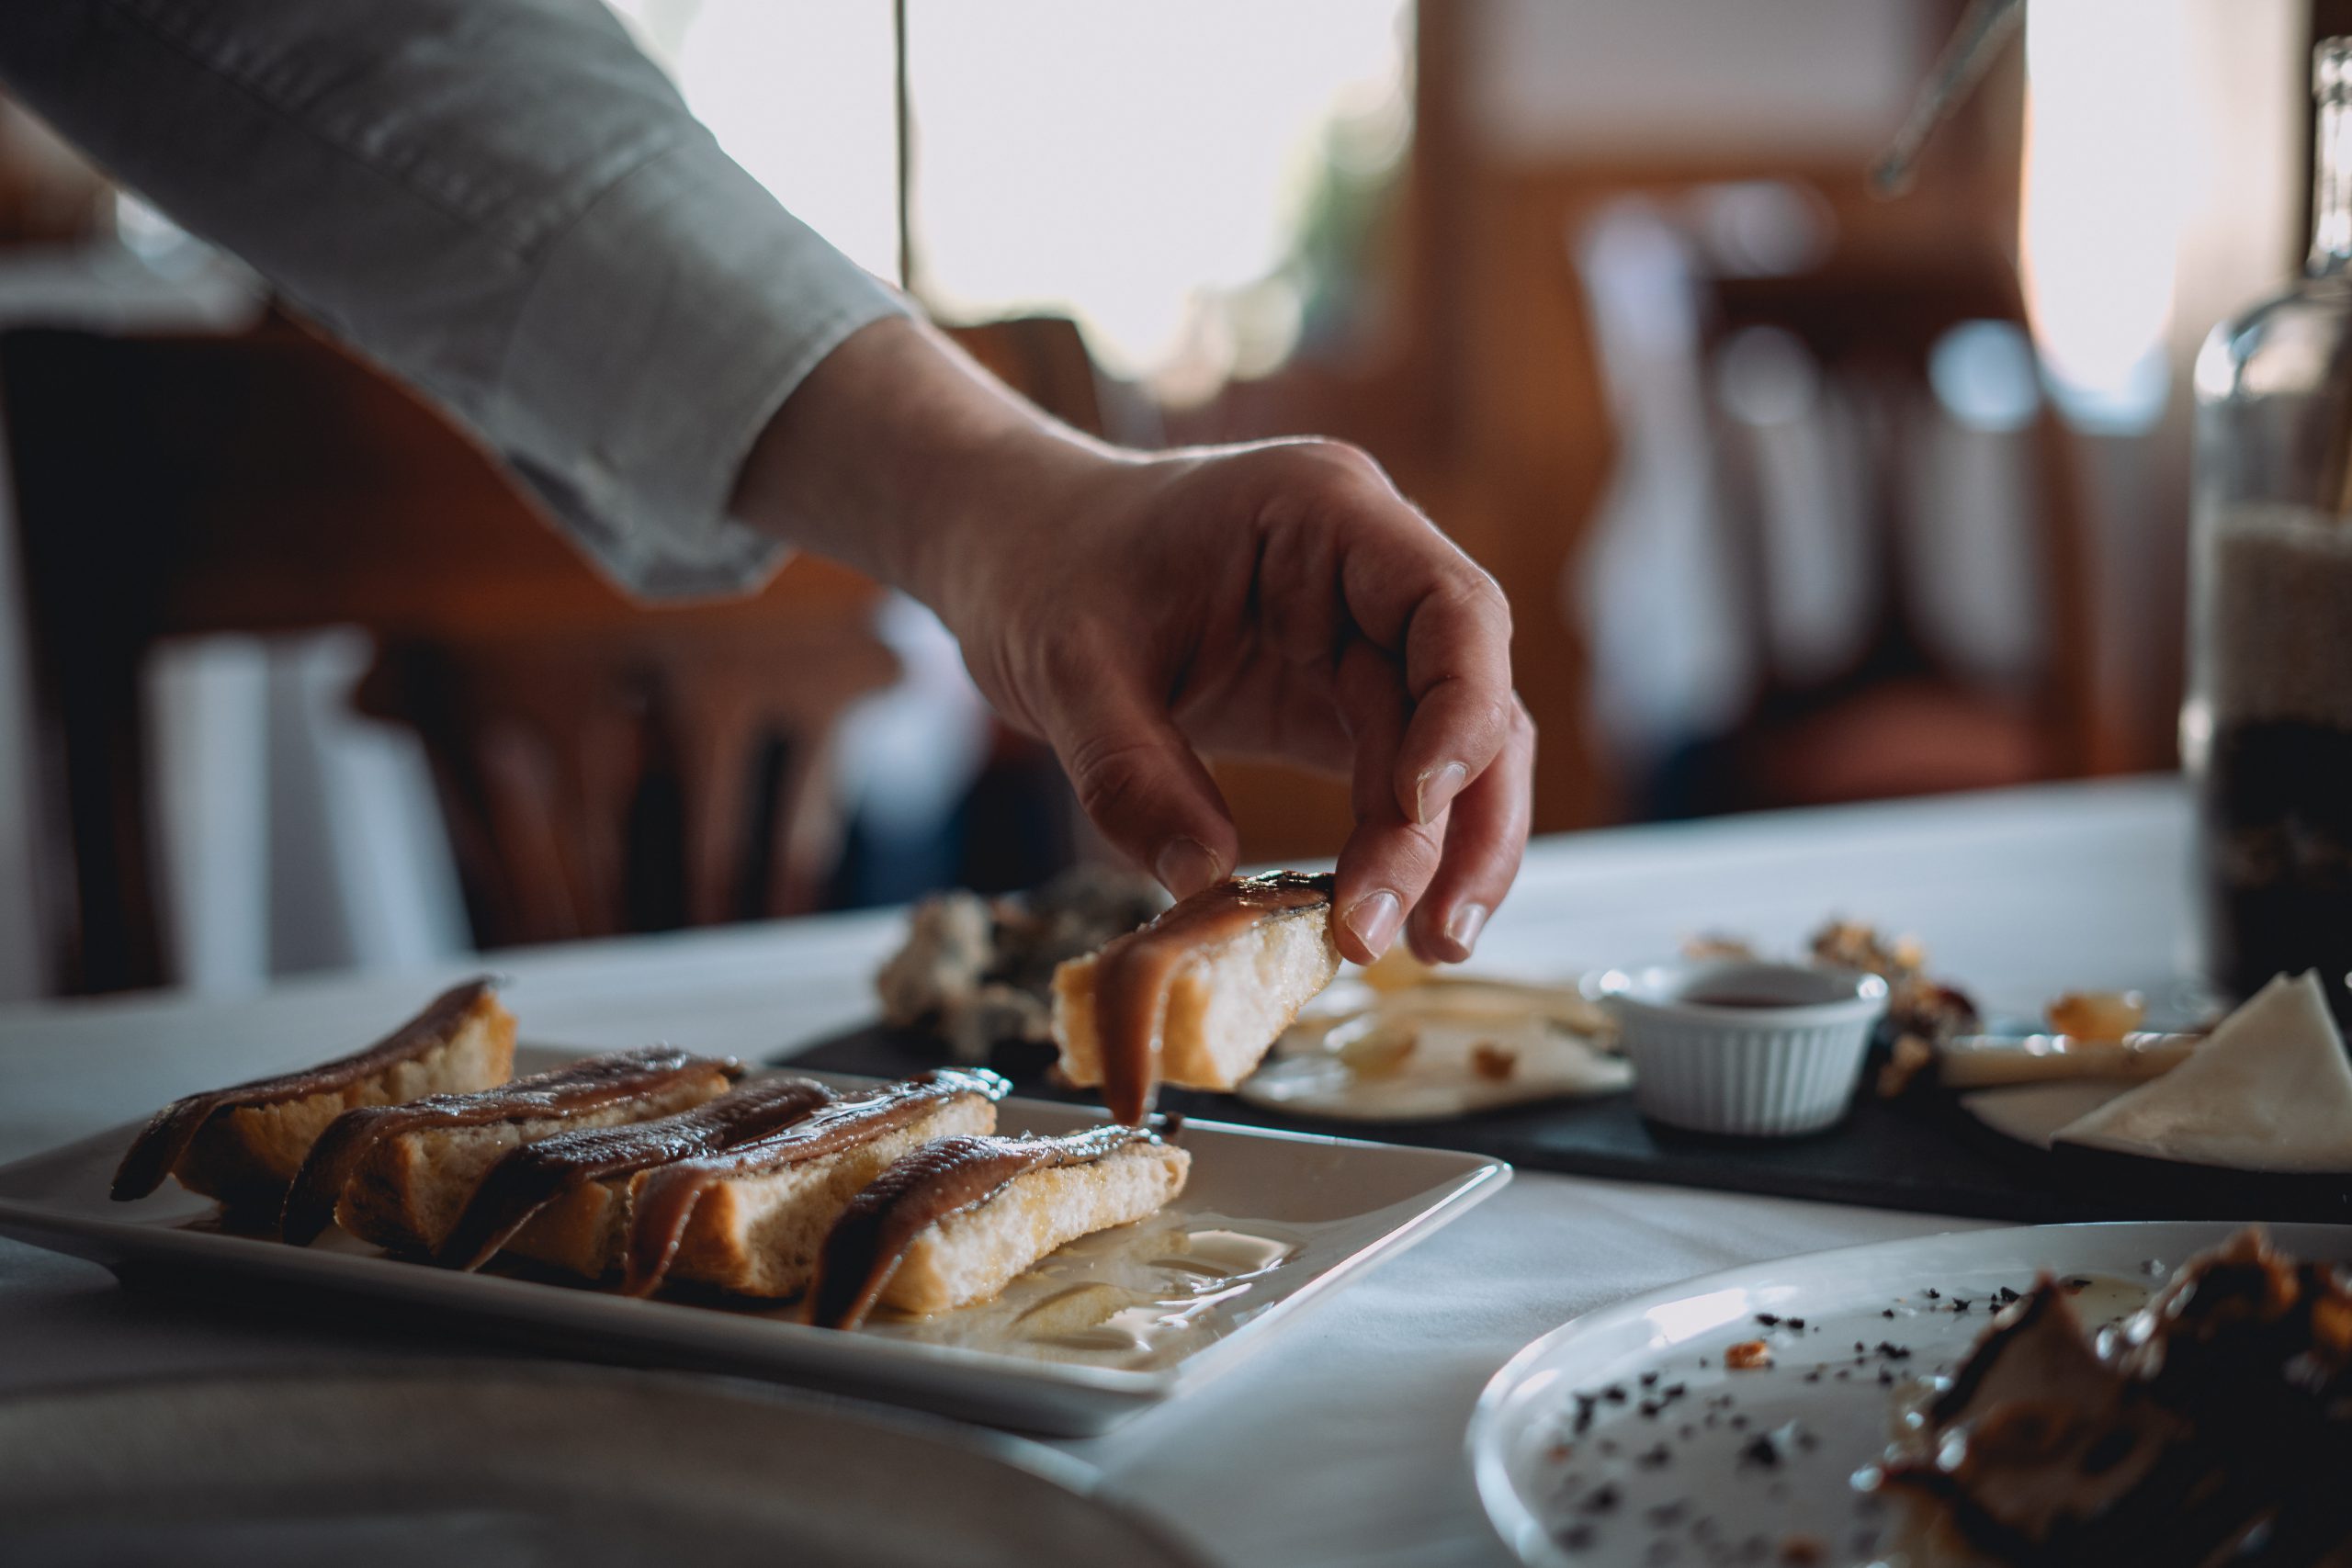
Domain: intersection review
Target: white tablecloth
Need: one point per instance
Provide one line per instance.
(1341, 1442)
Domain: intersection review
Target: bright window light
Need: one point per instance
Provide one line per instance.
(2108, 155)
(1145, 166)
(799, 92)
(1149, 169)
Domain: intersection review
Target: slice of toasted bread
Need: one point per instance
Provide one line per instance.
(594, 1092)
(582, 1230)
(400, 1175)
(956, 1221)
(564, 1200)
(244, 1144)
(752, 1220)
(970, 1257)
(1223, 973)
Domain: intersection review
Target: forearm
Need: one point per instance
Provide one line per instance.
(900, 457)
(506, 205)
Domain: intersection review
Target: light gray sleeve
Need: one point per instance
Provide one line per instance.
(501, 201)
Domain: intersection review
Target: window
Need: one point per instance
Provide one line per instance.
(1174, 176)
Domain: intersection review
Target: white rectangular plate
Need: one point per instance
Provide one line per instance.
(1341, 1203)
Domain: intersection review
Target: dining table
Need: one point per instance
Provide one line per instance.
(1341, 1440)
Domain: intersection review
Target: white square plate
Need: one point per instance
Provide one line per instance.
(1340, 1204)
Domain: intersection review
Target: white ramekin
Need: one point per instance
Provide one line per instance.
(1762, 1071)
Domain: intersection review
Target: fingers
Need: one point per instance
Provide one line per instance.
(1457, 668)
(1140, 782)
(1485, 836)
(1413, 593)
(1443, 749)
(1387, 861)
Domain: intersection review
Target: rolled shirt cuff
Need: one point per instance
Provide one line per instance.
(664, 328)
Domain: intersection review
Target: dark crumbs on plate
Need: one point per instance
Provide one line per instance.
(1596, 1513)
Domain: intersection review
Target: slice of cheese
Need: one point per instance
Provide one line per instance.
(2269, 1090)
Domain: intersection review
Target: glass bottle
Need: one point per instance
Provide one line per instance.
(2266, 728)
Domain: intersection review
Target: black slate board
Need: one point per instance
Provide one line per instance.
(1922, 1154)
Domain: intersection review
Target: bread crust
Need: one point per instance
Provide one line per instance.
(1226, 1007)
(578, 1182)
(759, 1235)
(246, 1154)
(410, 1189)
(971, 1256)
(968, 1214)
(584, 1232)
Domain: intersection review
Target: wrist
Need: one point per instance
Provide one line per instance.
(900, 456)
(1008, 509)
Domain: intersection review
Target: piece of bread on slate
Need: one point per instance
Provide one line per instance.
(565, 1200)
(399, 1175)
(1221, 974)
(750, 1220)
(244, 1144)
(959, 1219)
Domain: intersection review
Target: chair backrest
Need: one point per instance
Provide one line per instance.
(1873, 318)
(603, 766)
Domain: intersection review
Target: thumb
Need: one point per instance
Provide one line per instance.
(1142, 785)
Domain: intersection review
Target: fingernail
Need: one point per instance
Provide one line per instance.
(1436, 790)
(1185, 866)
(1462, 927)
(1375, 919)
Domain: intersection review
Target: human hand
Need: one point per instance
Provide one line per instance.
(1281, 602)
(1276, 600)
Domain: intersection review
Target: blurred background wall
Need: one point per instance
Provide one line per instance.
(1800, 495)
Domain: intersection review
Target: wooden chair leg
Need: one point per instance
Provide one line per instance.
(2067, 701)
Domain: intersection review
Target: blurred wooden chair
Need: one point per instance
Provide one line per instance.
(1897, 719)
(603, 767)
(635, 777)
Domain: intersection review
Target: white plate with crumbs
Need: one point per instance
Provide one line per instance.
(498, 1463)
(1100, 1331)
(1623, 1438)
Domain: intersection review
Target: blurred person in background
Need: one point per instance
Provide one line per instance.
(506, 204)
